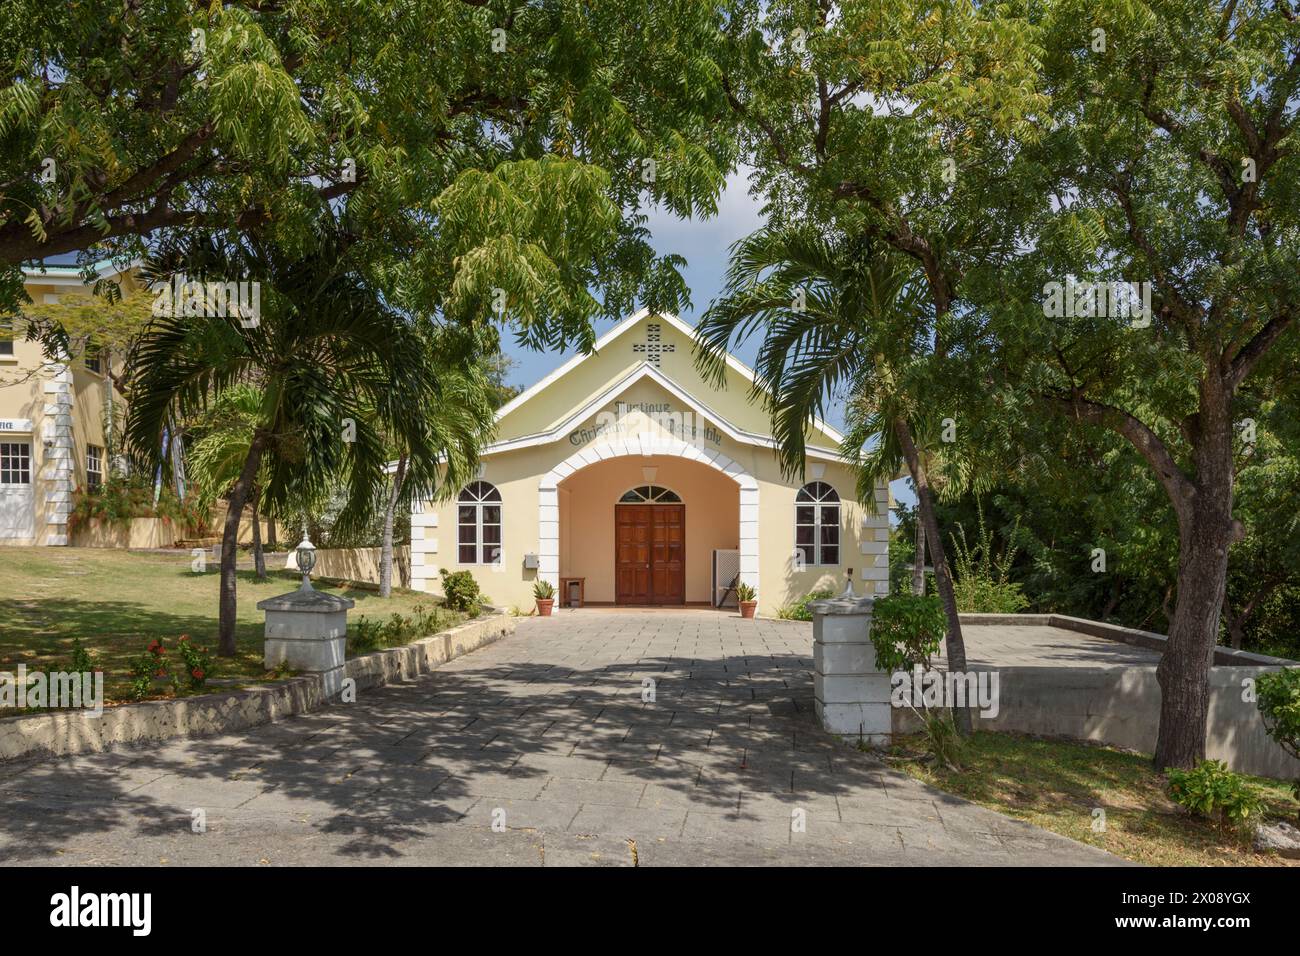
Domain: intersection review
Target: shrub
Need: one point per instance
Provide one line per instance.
(798, 610)
(83, 661)
(198, 662)
(906, 629)
(942, 740)
(982, 582)
(367, 635)
(121, 498)
(1214, 792)
(1278, 699)
(145, 667)
(460, 591)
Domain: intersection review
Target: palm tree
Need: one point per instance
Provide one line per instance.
(840, 317)
(217, 457)
(458, 427)
(337, 368)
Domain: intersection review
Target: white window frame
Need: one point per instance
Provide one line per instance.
(820, 495)
(15, 468)
(478, 495)
(94, 466)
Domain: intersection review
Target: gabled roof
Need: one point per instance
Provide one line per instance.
(645, 370)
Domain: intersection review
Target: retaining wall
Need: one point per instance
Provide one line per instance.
(70, 732)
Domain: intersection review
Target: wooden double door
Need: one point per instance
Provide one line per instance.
(650, 554)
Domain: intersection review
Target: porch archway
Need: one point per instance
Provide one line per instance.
(646, 443)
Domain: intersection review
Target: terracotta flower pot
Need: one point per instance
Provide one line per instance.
(747, 608)
(544, 606)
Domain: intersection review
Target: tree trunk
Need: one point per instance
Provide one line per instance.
(270, 530)
(230, 545)
(955, 645)
(386, 554)
(259, 559)
(918, 562)
(1206, 531)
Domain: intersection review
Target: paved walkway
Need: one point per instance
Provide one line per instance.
(544, 735)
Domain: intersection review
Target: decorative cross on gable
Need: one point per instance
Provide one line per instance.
(653, 347)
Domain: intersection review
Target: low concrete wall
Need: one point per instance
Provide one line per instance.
(358, 564)
(1120, 706)
(139, 533)
(1127, 635)
(73, 732)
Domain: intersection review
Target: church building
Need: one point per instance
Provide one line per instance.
(626, 478)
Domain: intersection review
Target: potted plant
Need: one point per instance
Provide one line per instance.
(748, 600)
(544, 592)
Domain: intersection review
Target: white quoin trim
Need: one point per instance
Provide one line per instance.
(645, 443)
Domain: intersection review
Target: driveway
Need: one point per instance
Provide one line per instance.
(538, 749)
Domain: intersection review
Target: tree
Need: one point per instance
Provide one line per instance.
(337, 370)
(1166, 162)
(840, 317)
(121, 120)
(459, 426)
(889, 123)
(217, 457)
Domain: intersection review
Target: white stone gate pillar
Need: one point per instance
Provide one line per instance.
(852, 693)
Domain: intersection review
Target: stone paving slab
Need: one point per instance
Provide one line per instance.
(545, 748)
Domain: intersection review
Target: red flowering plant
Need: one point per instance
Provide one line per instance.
(149, 665)
(198, 661)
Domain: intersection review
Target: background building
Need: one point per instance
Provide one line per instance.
(53, 418)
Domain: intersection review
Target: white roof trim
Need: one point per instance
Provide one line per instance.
(734, 363)
(645, 370)
(70, 275)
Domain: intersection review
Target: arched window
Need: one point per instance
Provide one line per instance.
(817, 523)
(649, 494)
(478, 524)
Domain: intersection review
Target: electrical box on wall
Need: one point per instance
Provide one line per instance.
(530, 562)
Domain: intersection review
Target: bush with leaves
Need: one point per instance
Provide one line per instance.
(461, 592)
(983, 582)
(1214, 792)
(906, 630)
(197, 660)
(370, 635)
(1277, 695)
(83, 661)
(798, 610)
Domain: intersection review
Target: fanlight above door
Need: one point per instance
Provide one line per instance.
(649, 494)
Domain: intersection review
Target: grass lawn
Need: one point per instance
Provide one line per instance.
(1056, 785)
(118, 601)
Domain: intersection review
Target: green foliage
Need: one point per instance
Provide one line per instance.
(544, 591)
(982, 582)
(145, 667)
(906, 630)
(366, 634)
(797, 610)
(461, 591)
(1277, 695)
(545, 113)
(943, 742)
(121, 498)
(197, 661)
(745, 593)
(83, 661)
(1214, 792)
